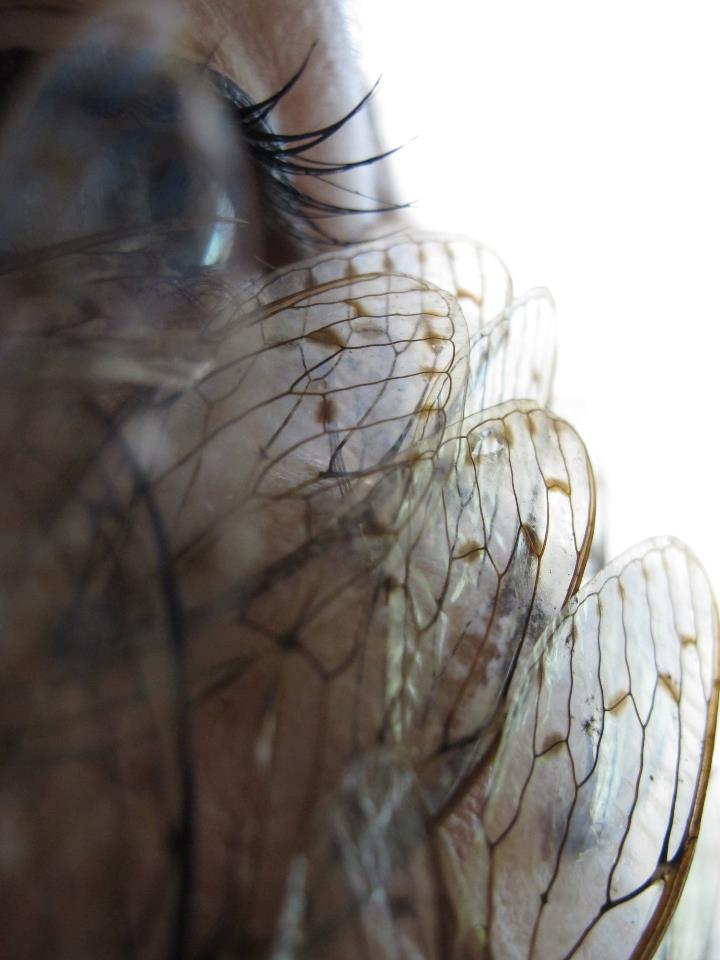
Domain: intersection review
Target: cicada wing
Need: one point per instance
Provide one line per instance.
(399, 683)
(320, 590)
(317, 394)
(91, 701)
(314, 503)
(325, 375)
(484, 562)
(286, 474)
(511, 342)
(366, 884)
(591, 810)
(469, 271)
(515, 356)
(165, 541)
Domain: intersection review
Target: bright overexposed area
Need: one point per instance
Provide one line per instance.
(581, 142)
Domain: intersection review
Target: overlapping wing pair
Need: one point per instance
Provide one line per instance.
(549, 748)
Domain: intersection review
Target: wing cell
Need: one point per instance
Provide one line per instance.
(591, 808)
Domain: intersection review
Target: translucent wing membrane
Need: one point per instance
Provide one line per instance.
(511, 345)
(590, 813)
(370, 862)
(472, 273)
(284, 609)
(477, 572)
(94, 770)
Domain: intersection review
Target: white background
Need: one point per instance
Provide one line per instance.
(580, 141)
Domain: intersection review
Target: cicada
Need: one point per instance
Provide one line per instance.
(299, 655)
